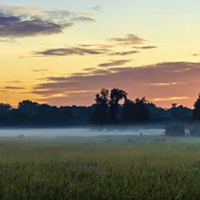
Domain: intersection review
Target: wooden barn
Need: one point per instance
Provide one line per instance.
(174, 130)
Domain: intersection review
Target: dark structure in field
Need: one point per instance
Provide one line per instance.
(174, 130)
(195, 132)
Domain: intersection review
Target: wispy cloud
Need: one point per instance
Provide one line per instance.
(39, 70)
(123, 53)
(98, 49)
(195, 54)
(85, 49)
(166, 84)
(83, 19)
(170, 98)
(71, 51)
(94, 8)
(97, 8)
(14, 88)
(114, 63)
(16, 82)
(146, 47)
(130, 39)
(89, 69)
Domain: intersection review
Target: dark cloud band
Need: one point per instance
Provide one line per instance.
(125, 53)
(70, 51)
(114, 63)
(17, 26)
(14, 88)
(21, 22)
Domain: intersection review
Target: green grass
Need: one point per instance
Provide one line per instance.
(115, 168)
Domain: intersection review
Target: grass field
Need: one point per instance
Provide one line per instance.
(115, 168)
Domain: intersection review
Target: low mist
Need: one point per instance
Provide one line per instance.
(80, 132)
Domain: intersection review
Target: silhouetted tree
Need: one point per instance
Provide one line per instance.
(142, 112)
(70, 116)
(196, 111)
(100, 114)
(157, 114)
(4, 113)
(28, 111)
(18, 118)
(180, 113)
(128, 112)
(5, 108)
(28, 106)
(115, 96)
(135, 112)
(107, 109)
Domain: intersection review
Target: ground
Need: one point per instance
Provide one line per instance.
(105, 167)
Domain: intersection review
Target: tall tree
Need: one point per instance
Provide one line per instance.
(128, 112)
(142, 112)
(28, 106)
(100, 115)
(115, 96)
(196, 111)
(135, 112)
(180, 113)
(4, 113)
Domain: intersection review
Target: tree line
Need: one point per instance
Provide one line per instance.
(32, 114)
(110, 108)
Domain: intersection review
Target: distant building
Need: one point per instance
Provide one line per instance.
(174, 130)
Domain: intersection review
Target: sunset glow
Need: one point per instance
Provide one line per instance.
(64, 52)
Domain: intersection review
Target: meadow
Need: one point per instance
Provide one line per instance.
(100, 168)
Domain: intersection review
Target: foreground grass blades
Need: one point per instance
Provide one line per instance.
(117, 167)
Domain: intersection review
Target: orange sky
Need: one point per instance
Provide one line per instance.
(64, 53)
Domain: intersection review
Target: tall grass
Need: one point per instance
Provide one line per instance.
(118, 168)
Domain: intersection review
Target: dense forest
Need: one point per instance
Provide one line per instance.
(110, 108)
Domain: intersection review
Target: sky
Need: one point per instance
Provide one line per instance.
(64, 52)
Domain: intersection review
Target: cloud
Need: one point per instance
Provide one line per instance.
(163, 82)
(94, 8)
(195, 54)
(166, 84)
(99, 46)
(96, 49)
(130, 39)
(18, 22)
(114, 63)
(89, 69)
(39, 70)
(83, 19)
(170, 98)
(14, 82)
(14, 88)
(125, 53)
(146, 47)
(23, 26)
(70, 51)
(87, 45)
